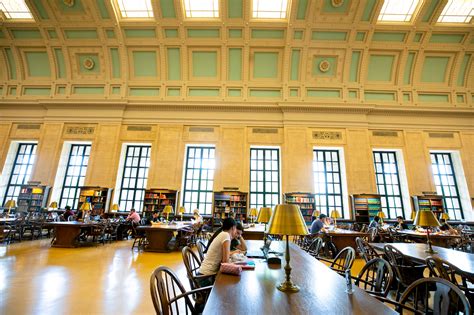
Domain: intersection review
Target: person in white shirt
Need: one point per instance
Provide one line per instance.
(197, 217)
(219, 250)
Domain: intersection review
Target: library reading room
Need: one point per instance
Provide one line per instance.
(236, 157)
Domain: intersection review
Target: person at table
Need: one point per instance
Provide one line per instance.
(375, 223)
(445, 227)
(218, 251)
(197, 217)
(400, 225)
(237, 244)
(320, 224)
(133, 217)
(67, 213)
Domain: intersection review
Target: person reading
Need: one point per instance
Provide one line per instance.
(374, 223)
(320, 224)
(237, 244)
(400, 225)
(133, 217)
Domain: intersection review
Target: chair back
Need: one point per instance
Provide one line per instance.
(201, 247)
(192, 264)
(364, 228)
(436, 296)
(315, 247)
(375, 277)
(374, 233)
(168, 294)
(404, 271)
(344, 260)
(366, 250)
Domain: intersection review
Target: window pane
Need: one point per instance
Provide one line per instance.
(264, 177)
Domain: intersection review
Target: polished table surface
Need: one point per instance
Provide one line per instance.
(66, 233)
(423, 235)
(322, 291)
(416, 251)
(254, 232)
(160, 235)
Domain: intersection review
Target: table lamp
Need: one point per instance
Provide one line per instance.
(426, 219)
(287, 220)
(53, 205)
(181, 211)
(381, 215)
(335, 215)
(167, 210)
(316, 214)
(252, 214)
(413, 215)
(86, 206)
(115, 207)
(10, 204)
(445, 216)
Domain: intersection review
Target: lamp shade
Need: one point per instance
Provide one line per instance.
(316, 213)
(115, 207)
(86, 206)
(413, 215)
(335, 214)
(381, 214)
(10, 204)
(264, 214)
(182, 210)
(287, 220)
(253, 212)
(445, 216)
(168, 209)
(426, 218)
(53, 205)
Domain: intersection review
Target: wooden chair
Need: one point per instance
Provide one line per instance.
(397, 306)
(170, 297)
(343, 261)
(366, 250)
(192, 264)
(436, 296)
(375, 277)
(201, 247)
(405, 271)
(315, 247)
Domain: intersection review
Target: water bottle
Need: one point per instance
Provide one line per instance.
(349, 288)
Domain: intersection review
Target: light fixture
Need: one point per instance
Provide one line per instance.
(252, 214)
(181, 211)
(53, 205)
(381, 215)
(335, 215)
(445, 216)
(427, 219)
(167, 210)
(316, 214)
(115, 207)
(10, 204)
(287, 220)
(413, 215)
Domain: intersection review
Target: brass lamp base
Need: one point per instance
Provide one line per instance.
(288, 286)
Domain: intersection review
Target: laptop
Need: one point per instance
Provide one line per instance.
(262, 252)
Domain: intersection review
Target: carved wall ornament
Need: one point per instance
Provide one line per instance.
(327, 135)
(88, 63)
(80, 130)
(337, 3)
(324, 66)
(69, 3)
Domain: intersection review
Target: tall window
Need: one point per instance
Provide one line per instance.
(327, 181)
(21, 171)
(75, 175)
(199, 178)
(264, 177)
(446, 185)
(388, 183)
(135, 175)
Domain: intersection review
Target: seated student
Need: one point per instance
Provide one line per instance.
(67, 212)
(374, 223)
(320, 224)
(237, 244)
(400, 225)
(133, 217)
(197, 217)
(218, 251)
(447, 228)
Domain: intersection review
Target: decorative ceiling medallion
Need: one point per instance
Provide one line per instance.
(69, 3)
(324, 66)
(337, 3)
(88, 63)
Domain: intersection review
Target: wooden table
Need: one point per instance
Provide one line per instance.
(321, 290)
(159, 236)
(442, 240)
(416, 252)
(343, 238)
(66, 233)
(254, 232)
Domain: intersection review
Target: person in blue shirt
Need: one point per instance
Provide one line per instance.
(319, 225)
(374, 223)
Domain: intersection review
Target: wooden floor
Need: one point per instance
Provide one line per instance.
(110, 279)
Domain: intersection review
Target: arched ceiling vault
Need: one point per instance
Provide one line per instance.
(322, 54)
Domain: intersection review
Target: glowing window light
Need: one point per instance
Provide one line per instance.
(457, 11)
(398, 11)
(270, 9)
(15, 9)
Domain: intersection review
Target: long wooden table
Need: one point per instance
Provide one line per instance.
(321, 289)
(416, 252)
(66, 233)
(254, 232)
(439, 239)
(344, 238)
(159, 236)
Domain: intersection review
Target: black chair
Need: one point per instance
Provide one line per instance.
(400, 308)
(436, 296)
(315, 247)
(170, 297)
(201, 247)
(343, 261)
(192, 264)
(366, 250)
(375, 277)
(405, 271)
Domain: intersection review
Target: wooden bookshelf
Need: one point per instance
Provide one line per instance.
(156, 199)
(365, 207)
(429, 202)
(306, 202)
(99, 198)
(33, 198)
(229, 201)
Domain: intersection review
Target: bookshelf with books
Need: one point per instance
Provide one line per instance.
(429, 202)
(365, 207)
(226, 202)
(156, 199)
(305, 201)
(32, 198)
(98, 197)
